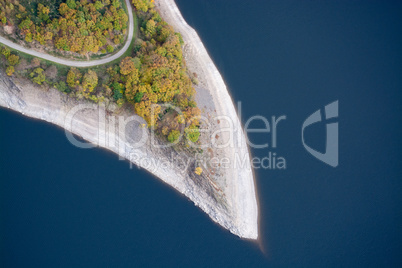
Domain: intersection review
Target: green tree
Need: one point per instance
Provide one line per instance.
(137, 63)
(61, 86)
(116, 3)
(142, 5)
(192, 133)
(38, 76)
(71, 4)
(25, 24)
(5, 51)
(138, 96)
(117, 90)
(174, 136)
(43, 13)
(150, 27)
(13, 59)
(109, 48)
(98, 5)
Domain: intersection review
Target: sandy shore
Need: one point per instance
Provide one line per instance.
(227, 195)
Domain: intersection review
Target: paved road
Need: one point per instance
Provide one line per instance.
(78, 63)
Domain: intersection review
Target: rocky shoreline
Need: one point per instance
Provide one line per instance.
(227, 195)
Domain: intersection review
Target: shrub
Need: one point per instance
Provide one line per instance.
(13, 59)
(5, 51)
(109, 48)
(198, 170)
(38, 76)
(61, 86)
(192, 133)
(73, 77)
(10, 70)
(174, 136)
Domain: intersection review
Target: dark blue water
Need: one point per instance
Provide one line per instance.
(63, 206)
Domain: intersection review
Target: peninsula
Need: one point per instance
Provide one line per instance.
(163, 106)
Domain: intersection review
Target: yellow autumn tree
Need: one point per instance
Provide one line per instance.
(198, 170)
(73, 77)
(10, 70)
(90, 81)
(127, 66)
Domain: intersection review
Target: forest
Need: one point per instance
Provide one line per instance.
(151, 80)
(75, 26)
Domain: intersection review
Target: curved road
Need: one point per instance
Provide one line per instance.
(77, 63)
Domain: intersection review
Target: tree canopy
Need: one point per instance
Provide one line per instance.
(149, 81)
(76, 26)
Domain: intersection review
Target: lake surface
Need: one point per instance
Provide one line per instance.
(61, 206)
